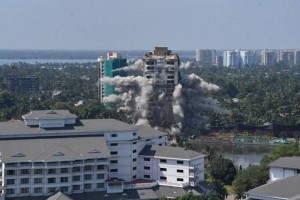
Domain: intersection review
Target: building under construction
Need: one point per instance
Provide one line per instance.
(22, 84)
(161, 68)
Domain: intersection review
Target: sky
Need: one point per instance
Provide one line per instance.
(140, 24)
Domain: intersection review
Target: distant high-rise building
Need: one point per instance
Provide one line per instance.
(247, 58)
(161, 68)
(268, 57)
(297, 57)
(286, 57)
(197, 55)
(206, 56)
(108, 68)
(22, 84)
(219, 60)
(231, 58)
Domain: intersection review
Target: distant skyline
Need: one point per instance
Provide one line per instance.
(140, 25)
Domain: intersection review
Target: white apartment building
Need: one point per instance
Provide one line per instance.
(247, 58)
(53, 150)
(231, 58)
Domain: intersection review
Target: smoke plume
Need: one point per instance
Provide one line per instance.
(137, 65)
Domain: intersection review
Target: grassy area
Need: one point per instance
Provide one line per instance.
(229, 189)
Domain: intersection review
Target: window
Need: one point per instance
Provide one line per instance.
(114, 153)
(148, 140)
(134, 133)
(163, 160)
(134, 160)
(51, 189)
(76, 178)
(76, 187)
(113, 170)
(179, 162)
(114, 144)
(10, 172)
(146, 176)
(113, 135)
(88, 168)
(160, 144)
(25, 171)
(51, 171)
(134, 177)
(160, 137)
(51, 180)
(87, 186)
(24, 190)
(114, 161)
(146, 159)
(64, 179)
(179, 171)
(10, 181)
(134, 168)
(100, 167)
(88, 177)
(76, 169)
(24, 180)
(100, 176)
(134, 151)
(147, 168)
(10, 191)
(180, 179)
(163, 178)
(134, 143)
(163, 169)
(38, 190)
(64, 189)
(38, 180)
(64, 170)
(100, 185)
(38, 171)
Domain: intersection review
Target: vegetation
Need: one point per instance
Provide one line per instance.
(263, 94)
(222, 169)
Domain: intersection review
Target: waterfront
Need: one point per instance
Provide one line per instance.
(241, 155)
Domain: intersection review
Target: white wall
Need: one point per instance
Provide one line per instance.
(276, 173)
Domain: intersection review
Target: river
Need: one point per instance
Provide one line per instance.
(241, 155)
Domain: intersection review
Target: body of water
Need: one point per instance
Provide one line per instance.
(241, 155)
(33, 61)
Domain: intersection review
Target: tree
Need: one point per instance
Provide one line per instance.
(248, 179)
(222, 169)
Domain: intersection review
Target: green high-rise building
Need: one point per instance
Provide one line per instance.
(108, 69)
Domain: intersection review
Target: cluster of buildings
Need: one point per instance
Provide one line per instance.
(53, 150)
(244, 58)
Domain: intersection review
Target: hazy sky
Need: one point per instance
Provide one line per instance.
(140, 24)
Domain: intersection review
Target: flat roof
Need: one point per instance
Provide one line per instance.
(53, 150)
(169, 152)
(49, 114)
(287, 188)
(286, 162)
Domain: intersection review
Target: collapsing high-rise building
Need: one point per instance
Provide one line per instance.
(108, 68)
(161, 68)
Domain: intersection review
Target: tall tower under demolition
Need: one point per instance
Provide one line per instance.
(108, 68)
(161, 68)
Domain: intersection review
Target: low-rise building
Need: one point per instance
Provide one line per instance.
(284, 167)
(55, 151)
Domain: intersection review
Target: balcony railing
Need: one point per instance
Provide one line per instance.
(173, 184)
(140, 185)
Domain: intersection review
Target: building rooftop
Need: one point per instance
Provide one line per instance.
(59, 196)
(287, 188)
(286, 162)
(169, 152)
(53, 150)
(49, 114)
(84, 127)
